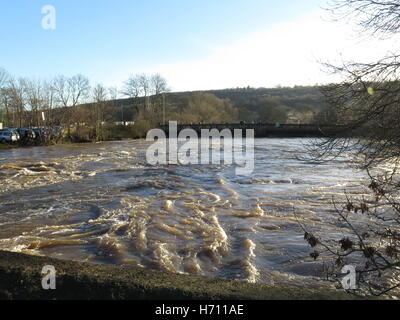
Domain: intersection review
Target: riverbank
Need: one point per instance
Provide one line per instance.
(8, 146)
(110, 133)
(20, 279)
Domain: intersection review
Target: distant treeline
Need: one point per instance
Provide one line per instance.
(284, 105)
(88, 113)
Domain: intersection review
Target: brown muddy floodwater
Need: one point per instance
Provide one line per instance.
(103, 203)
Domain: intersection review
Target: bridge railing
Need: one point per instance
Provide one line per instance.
(267, 129)
(250, 125)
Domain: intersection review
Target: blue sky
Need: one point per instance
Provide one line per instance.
(109, 40)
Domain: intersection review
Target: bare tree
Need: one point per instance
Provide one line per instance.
(62, 98)
(16, 92)
(158, 84)
(132, 87)
(35, 102)
(159, 88)
(48, 96)
(367, 105)
(70, 92)
(99, 96)
(145, 86)
(79, 88)
(377, 17)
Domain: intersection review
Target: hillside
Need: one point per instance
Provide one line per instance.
(285, 105)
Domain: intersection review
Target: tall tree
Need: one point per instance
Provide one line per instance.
(145, 86)
(70, 92)
(99, 96)
(79, 88)
(16, 91)
(367, 104)
(159, 88)
(133, 89)
(62, 97)
(35, 100)
(158, 84)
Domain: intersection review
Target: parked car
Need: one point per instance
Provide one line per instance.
(8, 136)
(26, 134)
(43, 133)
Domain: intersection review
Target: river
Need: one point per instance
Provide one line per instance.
(102, 203)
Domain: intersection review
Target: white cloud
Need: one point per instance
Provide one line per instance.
(285, 54)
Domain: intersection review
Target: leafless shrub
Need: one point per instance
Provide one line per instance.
(367, 105)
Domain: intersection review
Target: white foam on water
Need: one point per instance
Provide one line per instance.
(168, 205)
(164, 258)
(251, 272)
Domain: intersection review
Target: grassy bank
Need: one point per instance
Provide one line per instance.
(20, 278)
(6, 146)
